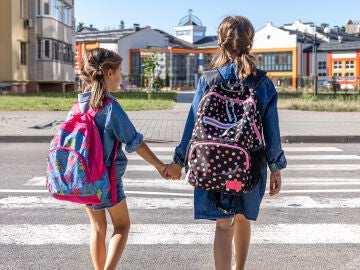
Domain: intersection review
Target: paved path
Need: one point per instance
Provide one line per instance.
(167, 125)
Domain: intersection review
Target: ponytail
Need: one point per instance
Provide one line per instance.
(95, 63)
(235, 39)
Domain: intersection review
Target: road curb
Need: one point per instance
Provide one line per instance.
(321, 139)
(25, 139)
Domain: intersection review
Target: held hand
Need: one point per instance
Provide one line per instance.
(173, 171)
(275, 183)
(162, 170)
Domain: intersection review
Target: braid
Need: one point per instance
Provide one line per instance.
(95, 63)
(235, 40)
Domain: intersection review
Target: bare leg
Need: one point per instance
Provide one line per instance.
(97, 237)
(241, 241)
(121, 221)
(223, 244)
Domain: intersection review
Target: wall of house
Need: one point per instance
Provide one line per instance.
(12, 34)
(272, 39)
(5, 41)
(145, 38)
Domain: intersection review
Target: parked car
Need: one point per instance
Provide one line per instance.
(330, 85)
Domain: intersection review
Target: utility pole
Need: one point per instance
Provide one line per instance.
(315, 66)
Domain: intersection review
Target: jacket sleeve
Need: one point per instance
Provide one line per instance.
(180, 150)
(274, 153)
(123, 129)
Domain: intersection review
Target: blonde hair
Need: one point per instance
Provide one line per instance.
(235, 40)
(95, 64)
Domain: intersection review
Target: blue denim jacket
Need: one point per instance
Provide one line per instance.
(267, 98)
(113, 122)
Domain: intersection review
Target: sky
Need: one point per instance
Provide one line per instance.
(164, 15)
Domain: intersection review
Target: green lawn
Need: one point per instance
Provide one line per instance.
(137, 100)
(130, 101)
(327, 102)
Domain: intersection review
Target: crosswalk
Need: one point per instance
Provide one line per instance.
(316, 178)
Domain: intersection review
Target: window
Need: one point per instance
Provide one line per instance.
(322, 65)
(274, 61)
(23, 9)
(68, 53)
(67, 15)
(198, 33)
(23, 53)
(349, 64)
(337, 65)
(56, 9)
(183, 33)
(39, 48)
(39, 7)
(54, 49)
(47, 49)
(46, 7)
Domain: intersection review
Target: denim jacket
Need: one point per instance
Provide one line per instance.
(267, 99)
(113, 122)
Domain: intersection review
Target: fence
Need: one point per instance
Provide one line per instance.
(346, 83)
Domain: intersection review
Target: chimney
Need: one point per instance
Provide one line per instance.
(136, 26)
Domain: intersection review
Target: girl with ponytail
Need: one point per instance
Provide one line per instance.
(101, 74)
(234, 62)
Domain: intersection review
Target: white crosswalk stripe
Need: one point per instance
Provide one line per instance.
(153, 193)
(184, 202)
(181, 234)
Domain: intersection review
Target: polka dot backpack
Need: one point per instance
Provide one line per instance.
(226, 151)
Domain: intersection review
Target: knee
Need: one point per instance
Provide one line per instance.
(239, 218)
(99, 228)
(224, 227)
(122, 228)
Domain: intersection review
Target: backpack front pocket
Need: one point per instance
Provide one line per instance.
(218, 166)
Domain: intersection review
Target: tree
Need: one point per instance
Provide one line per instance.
(122, 25)
(151, 72)
(80, 26)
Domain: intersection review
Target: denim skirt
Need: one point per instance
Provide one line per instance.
(120, 194)
(246, 204)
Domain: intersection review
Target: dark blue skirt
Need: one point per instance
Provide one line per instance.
(247, 204)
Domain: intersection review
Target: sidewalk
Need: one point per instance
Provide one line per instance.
(167, 125)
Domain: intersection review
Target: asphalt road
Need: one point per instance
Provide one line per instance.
(313, 224)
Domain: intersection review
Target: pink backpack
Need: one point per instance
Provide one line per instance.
(75, 167)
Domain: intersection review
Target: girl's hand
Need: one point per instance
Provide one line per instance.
(173, 171)
(162, 170)
(275, 183)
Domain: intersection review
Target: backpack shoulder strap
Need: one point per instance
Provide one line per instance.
(255, 81)
(94, 112)
(75, 108)
(260, 76)
(212, 76)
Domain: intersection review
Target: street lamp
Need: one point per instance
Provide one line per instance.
(315, 65)
(314, 57)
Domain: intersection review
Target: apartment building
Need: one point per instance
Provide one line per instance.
(37, 45)
(293, 54)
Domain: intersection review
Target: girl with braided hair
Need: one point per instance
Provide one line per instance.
(101, 74)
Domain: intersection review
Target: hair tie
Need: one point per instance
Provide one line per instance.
(99, 71)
